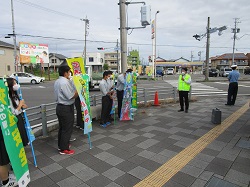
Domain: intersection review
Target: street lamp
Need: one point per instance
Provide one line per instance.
(154, 65)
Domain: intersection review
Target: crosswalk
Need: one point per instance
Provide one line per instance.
(200, 89)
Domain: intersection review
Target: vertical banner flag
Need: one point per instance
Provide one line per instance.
(113, 97)
(134, 93)
(127, 96)
(28, 129)
(13, 140)
(81, 82)
(76, 65)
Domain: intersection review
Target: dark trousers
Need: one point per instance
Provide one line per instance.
(22, 130)
(65, 115)
(106, 108)
(119, 99)
(79, 120)
(232, 93)
(184, 94)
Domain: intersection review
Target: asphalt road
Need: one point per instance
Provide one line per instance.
(43, 93)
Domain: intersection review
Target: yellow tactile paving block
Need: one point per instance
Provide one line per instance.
(164, 173)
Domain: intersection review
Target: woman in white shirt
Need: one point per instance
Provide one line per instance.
(16, 108)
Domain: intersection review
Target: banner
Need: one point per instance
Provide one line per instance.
(113, 97)
(33, 53)
(13, 140)
(81, 82)
(76, 65)
(134, 93)
(126, 113)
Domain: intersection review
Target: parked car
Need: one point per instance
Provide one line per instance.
(224, 72)
(159, 72)
(247, 71)
(213, 72)
(170, 71)
(28, 78)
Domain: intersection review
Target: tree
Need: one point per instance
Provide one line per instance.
(105, 66)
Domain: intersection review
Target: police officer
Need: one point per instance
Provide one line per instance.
(183, 88)
(233, 78)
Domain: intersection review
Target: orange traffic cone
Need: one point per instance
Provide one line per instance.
(156, 101)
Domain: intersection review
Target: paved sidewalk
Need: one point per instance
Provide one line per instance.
(125, 153)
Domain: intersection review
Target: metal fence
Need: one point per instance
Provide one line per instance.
(46, 113)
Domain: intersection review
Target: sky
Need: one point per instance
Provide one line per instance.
(177, 22)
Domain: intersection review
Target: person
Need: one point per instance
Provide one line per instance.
(8, 180)
(233, 78)
(79, 119)
(120, 90)
(184, 85)
(16, 106)
(111, 87)
(65, 94)
(106, 100)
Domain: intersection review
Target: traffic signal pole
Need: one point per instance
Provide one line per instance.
(123, 35)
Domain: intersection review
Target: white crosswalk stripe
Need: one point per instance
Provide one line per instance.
(200, 89)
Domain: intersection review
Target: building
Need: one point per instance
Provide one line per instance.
(55, 60)
(162, 64)
(6, 59)
(225, 61)
(96, 60)
(111, 58)
(134, 58)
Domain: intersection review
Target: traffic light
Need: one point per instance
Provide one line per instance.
(100, 48)
(197, 37)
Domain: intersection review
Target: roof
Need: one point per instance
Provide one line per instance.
(182, 59)
(227, 56)
(4, 44)
(159, 59)
(60, 56)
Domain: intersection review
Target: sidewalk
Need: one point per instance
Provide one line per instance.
(125, 153)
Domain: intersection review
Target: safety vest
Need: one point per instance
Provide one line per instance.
(182, 85)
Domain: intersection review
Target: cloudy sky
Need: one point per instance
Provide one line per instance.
(177, 22)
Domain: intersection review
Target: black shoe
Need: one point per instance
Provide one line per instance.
(186, 111)
(181, 110)
(228, 104)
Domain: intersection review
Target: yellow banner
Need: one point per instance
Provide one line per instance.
(76, 65)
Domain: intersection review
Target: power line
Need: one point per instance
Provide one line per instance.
(46, 9)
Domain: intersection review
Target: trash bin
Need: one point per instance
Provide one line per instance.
(216, 116)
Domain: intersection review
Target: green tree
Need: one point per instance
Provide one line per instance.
(105, 66)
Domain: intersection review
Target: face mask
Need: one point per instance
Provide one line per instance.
(183, 73)
(16, 87)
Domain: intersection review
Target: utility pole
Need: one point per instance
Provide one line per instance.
(235, 30)
(123, 35)
(207, 49)
(192, 56)
(117, 53)
(154, 73)
(85, 39)
(14, 37)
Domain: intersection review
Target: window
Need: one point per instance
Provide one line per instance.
(53, 61)
(2, 52)
(8, 67)
(91, 59)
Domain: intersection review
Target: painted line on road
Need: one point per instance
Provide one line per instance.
(164, 173)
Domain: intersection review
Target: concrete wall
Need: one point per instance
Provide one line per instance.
(6, 60)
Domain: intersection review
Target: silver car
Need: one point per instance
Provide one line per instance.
(27, 78)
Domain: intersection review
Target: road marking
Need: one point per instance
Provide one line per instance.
(164, 173)
(238, 84)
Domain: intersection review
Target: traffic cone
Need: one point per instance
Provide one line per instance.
(156, 101)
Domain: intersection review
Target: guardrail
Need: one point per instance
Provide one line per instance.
(46, 113)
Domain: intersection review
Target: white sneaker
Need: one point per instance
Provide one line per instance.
(11, 183)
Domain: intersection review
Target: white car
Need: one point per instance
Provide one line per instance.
(27, 78)
(170, 71)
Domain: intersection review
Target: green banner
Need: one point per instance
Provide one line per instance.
(134, 92)
(12, 139)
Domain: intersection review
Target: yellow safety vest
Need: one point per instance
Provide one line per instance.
(182, 85)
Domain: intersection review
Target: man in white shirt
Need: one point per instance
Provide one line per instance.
(106, 99)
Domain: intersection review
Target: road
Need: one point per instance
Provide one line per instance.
(43, 93)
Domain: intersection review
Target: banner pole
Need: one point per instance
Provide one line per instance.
(90, 144)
